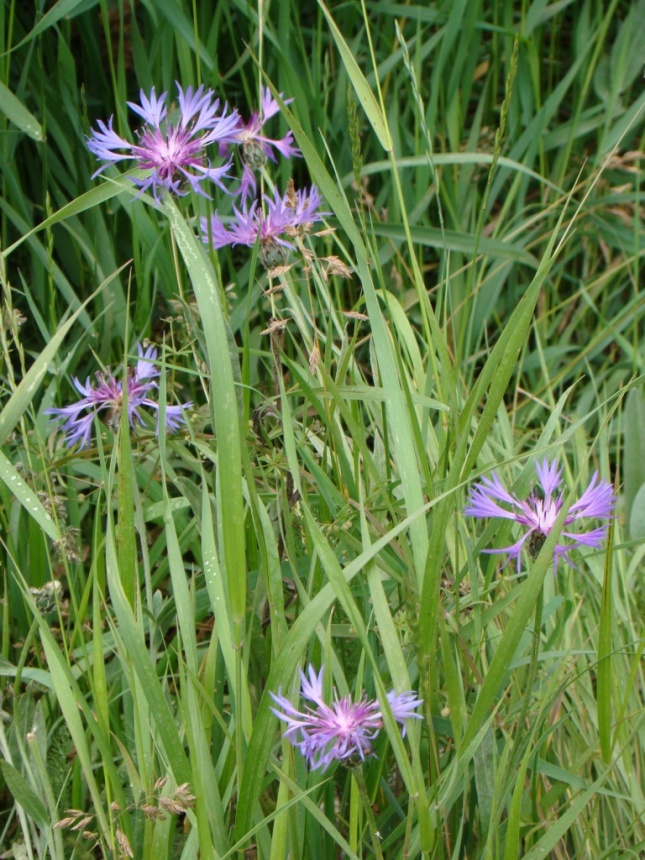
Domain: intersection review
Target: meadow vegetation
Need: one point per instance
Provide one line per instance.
(315, 416)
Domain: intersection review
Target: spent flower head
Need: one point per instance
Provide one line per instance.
(540, 511)
(284, 216)
(343, 730)
(104, 397)
(256, 146)
(174, 151)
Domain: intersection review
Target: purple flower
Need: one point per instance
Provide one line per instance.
(290, 215)
(256, 147)
(174, 152)
(106, 396)
(324, 733)
(403, 706)
(540, 511)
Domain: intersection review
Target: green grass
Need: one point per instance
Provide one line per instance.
(481, 164)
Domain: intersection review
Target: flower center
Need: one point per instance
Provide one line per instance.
(535, 543)
(253, 154)
(545, 514)
(272, 254)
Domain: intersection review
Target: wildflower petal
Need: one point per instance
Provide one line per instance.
(549, 476)
(152, 110)
(345, 729)
(174, 151)
(270, 106)
(598, 500)
(285, 215)
(540, 511)
(105, 144)
(105, 395)
(403, 707)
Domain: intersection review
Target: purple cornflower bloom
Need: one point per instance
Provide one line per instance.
(106, 396)
(540, 511)
(256, 147)
(290, 215)
(174, 152)
(339, 731)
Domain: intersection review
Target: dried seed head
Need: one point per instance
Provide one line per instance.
(335, 266)
(277, 272)
(171, 805)
(82, 824)
(55, 503)
(183, 795)
(67, 545)
(124, 843)
(151, 812)
(47, 597)
(290, 194)
(314, 360)
(64, 822)
(275, 325)
(12, 318)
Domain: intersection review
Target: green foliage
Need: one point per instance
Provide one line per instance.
(477, 306)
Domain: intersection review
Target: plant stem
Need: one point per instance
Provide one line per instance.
(535, 650)
(357, 773)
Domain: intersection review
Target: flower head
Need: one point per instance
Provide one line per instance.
(257, 147)
(540, 511)
(105, 397)
(288, 215)
(174, 151)
(340, 731)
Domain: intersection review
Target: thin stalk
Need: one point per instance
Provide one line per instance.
(359, 778)
(239, 719)
(55, 837)
(532, 673)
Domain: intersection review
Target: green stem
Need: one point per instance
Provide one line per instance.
(18, 676)
(532, 673)
(239, 717)
(357, 773)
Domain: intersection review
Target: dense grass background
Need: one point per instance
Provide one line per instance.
(483, 166)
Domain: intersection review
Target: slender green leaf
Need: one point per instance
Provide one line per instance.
(515, 627)
(362, 88)
(634, 460)
(224, 405)
(25, 392)
(561, 825)
(61, 9)
(23, 794)
(106, 190)
(18, 114)
(132, 637)
(125, 534)
(605, 647)
(27, 498)
(401, 429)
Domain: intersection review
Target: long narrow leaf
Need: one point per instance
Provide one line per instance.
(224, 405)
